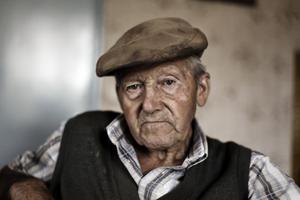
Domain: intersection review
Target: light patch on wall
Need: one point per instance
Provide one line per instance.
(50, 59)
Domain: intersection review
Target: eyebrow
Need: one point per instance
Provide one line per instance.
(136, 78)
(173, 72)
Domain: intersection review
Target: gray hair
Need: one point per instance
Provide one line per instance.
(198, 69)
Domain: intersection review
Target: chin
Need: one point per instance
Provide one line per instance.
(158, 144)
(158, 140)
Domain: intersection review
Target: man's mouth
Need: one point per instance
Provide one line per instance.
(154, 122)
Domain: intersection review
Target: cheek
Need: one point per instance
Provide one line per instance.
(184, 107)
(185, 110)
(130, 110)
(128, 106)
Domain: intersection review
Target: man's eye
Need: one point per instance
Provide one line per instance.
(133, 87)
(168, 82)
(134, 90)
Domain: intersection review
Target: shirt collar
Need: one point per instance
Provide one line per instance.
(116, 129)
(198, 151)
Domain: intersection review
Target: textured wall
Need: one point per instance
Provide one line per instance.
(250, 58)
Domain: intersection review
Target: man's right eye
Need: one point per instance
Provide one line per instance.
(134, 90)
(133, 87)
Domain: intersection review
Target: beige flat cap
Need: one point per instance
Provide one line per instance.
(154, 41)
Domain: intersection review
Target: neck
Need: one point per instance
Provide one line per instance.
(150, 159)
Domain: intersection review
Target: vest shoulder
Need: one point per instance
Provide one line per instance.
(96, 114)
(92, 119)
(217, 144)
(234, 161)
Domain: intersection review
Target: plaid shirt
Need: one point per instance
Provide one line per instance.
(266, 181)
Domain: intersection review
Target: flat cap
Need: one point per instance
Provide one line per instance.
(154, 41)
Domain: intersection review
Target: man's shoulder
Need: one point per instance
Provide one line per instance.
(231, 152)
(90, 118)
(95, 115)
(215, 143)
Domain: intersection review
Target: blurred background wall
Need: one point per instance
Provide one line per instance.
(250, 58)
(47, 54)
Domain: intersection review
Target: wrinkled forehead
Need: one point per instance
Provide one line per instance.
(176, 68)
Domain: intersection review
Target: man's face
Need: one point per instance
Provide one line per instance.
(159, 104)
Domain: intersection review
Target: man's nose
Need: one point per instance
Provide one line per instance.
(151, 101)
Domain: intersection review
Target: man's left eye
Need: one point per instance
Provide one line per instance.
(168, 82)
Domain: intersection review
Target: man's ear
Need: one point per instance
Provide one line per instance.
(203, 89)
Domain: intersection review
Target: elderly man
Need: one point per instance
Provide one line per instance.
(155, 149)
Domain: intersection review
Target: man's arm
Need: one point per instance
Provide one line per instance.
(267, 181)
(40, 163)
(28, 173)
(19, 186)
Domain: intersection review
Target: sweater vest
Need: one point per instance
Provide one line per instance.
(88, 167)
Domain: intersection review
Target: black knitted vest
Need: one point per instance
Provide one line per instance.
(88, 167)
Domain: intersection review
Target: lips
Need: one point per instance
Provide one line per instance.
(154, 119)
(153, 122)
